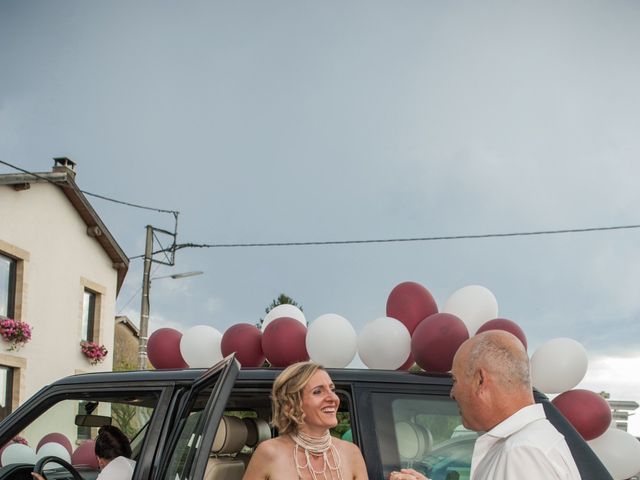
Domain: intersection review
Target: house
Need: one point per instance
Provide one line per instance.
(126, 347)
(60, 272)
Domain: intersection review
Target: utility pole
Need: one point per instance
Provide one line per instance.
(144, 307)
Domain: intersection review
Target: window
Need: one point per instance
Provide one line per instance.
(424, 433)
(129, 410)
(6, 391)
(88, 315)
(7, 286)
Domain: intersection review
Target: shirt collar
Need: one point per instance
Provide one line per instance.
(517, 421)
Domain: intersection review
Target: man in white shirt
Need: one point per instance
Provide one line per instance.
(492, 386)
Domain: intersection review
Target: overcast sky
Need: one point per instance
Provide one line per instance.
(277, 121)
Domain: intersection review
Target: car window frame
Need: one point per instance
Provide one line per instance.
(221, 377)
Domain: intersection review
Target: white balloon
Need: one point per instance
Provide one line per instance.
(619, 451)
(331, 341)
(17, 453)
(200, 346)
(558, 365)
(384, 343)
(284, 310)
(474, 305)
(55, 449)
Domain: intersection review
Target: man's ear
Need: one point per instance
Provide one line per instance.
(480, 379)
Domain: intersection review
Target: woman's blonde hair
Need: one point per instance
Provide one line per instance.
(286, 396)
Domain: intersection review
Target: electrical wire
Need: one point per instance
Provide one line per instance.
(109, 199)
(411, 239)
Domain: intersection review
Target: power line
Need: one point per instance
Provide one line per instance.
(398, 240)
(109, 199)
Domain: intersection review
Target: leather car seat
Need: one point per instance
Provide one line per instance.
(258, 430)
(230, 438)
(414, 441)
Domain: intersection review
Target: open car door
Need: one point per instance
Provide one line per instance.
(200, 410)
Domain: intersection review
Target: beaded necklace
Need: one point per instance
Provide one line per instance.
(316, 447)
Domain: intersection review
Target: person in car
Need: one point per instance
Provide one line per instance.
(492, 385)
(305, 407)
(114, 455)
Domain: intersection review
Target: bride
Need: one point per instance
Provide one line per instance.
(304, 409)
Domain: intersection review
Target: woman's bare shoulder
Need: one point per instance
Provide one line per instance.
(273, 447)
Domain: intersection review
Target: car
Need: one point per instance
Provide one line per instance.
(204, 424)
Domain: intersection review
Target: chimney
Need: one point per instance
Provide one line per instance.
(64, 165)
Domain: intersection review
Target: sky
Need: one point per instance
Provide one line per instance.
(294, 121)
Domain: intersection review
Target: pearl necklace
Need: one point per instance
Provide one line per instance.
(316, 447)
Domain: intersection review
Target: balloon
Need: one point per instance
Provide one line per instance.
(474, 305)
(619, 451)
(507, 326)
(85, 454)
(558, 365)
(408, 364)
(283, 342)
(410, 303)
(163, 349)
(347, 436)
(436, 340)
(200, 346)
(384, 343)
(55, 449)
(588, 412)
(331, 341)
(17, 453)
(284, 310)
(246, 341)
(57, 438)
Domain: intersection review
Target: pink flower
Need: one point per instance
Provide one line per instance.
(16, 332)
(94, 352)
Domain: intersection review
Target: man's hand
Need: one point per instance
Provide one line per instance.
(407, 474)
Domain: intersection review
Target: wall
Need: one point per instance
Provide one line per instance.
(62, 260)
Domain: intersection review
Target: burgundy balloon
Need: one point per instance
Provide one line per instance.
(283, 342)
(163, 349)
(436, 340)
(587, 411)
(506, 325)
(408, 364)
(246, 341)
(56, 438)
(85, 454)
(410, 303)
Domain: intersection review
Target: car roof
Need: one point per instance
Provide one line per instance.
(339, 375)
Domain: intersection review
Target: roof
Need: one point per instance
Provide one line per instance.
(123, 319)
(95, 227)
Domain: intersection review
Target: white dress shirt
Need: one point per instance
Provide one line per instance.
(525, 446)
(120, 468)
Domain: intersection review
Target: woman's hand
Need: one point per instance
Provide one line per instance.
(37, 476)
(407, 474)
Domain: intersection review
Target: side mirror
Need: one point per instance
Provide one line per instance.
(92, 420)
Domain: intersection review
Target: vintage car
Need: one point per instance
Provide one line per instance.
(197, 424)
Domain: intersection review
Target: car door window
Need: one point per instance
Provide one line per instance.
(201, 409)
(422, 432)
(68, 426)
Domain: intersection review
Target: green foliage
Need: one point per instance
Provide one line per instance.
(282, 299)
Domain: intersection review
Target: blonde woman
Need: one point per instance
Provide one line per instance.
(305, 407)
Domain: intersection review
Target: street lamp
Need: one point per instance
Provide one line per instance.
(144, 309)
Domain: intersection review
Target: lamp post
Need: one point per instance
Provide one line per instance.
(144, 307)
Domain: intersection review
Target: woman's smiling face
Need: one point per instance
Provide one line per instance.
(319, 404)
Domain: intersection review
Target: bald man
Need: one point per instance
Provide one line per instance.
(492, 385)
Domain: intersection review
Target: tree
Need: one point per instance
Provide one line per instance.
(282, 299)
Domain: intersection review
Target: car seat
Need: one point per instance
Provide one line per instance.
(414, 441)
(230, 438)
(258, 430)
